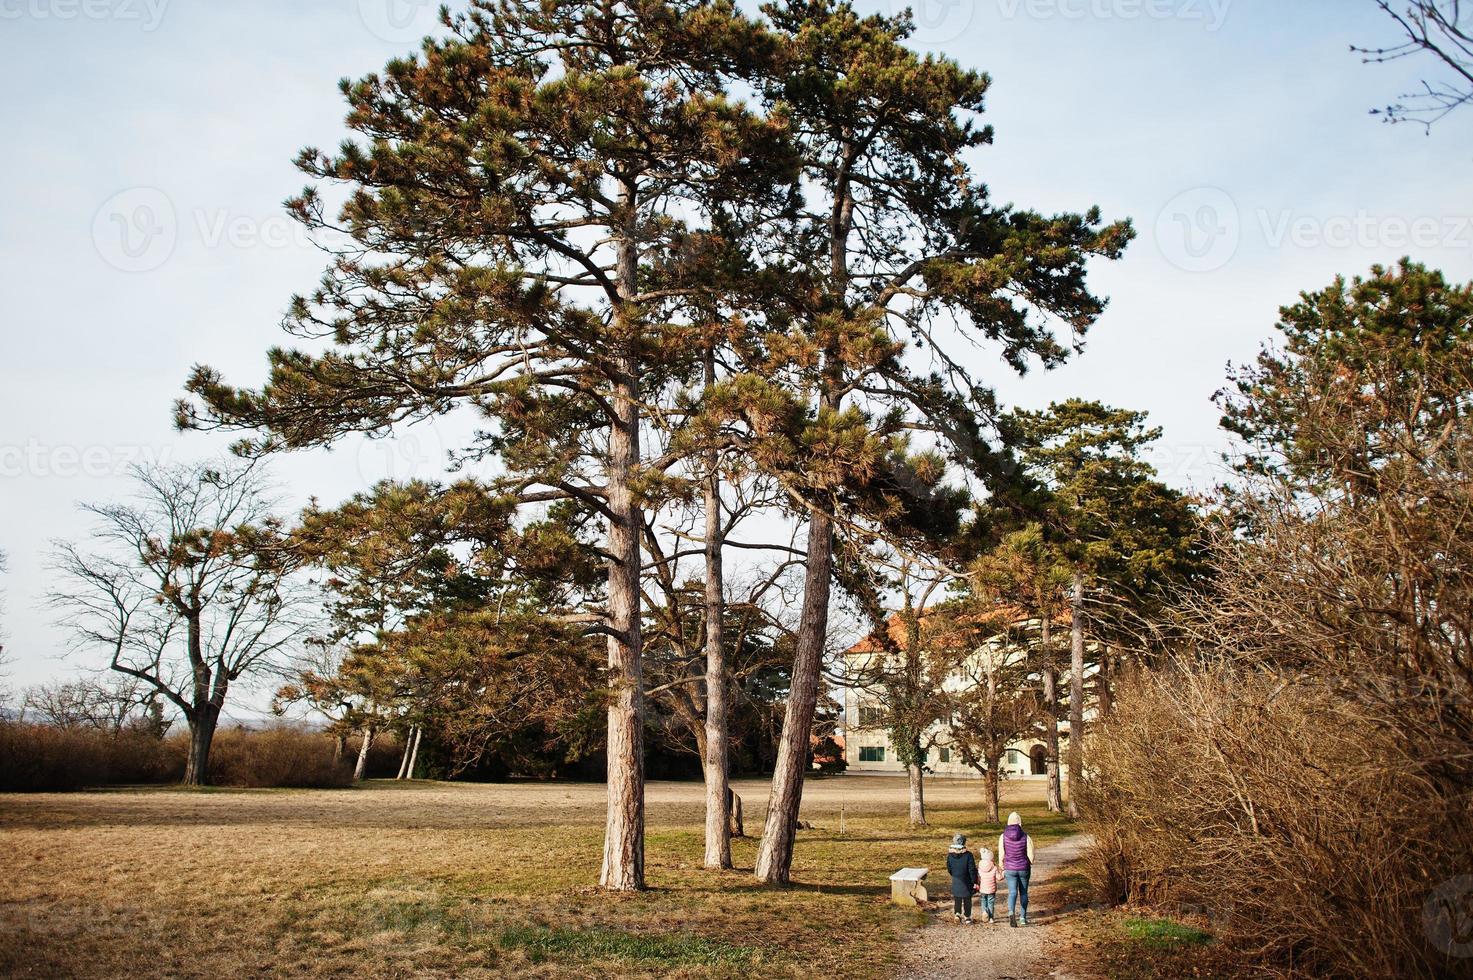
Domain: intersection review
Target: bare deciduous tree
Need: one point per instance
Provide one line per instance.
(997, 703)
(904, 677)
(1440, 30)
(100, 705)
(188, 587)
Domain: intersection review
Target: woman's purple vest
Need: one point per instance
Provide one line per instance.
(1015, 849)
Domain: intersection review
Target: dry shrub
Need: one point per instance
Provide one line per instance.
(1305, 774)
(1279, 809)
(43, 758)
(282, 757)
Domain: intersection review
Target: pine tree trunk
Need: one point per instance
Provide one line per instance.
(917, 795)
(775, 856)
(623, 859)
(1051, 722)
(339, 747)
(404, 757)
(201, 737)
(1076, 691)
(363, 747)
(717, 747)
(419, 734)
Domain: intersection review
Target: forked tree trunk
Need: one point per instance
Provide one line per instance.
(718, 818)
(209, 694)
(917, 795)
(363, 747)
(1055, 795)
(738, 828)
(775, 856)
(1076, 692)
(201, 736)
(419, 734)
(623, 859)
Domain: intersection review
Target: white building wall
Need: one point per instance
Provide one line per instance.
(861, 744)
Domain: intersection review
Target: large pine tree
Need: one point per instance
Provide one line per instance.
(1107, 516)
(511, 186)
(894, 247)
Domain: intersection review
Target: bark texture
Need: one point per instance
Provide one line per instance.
(1051, 721)
(362, 766)
(775, 855)
(917, 795)
(419, 734)
(201, 736)
(404, 756)
(716, 748)
(1076, 690)
(623, 860)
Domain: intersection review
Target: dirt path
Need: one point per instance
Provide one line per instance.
(944, 950)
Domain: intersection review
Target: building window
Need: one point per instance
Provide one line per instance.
(871, 753)
(870, 716)
(943, 755)
(1012, 757)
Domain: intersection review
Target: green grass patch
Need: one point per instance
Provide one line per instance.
(667, 949)
(1164, 933)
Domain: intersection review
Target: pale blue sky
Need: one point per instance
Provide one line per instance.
(1234, 132)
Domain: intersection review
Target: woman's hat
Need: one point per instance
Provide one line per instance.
(1014, 818)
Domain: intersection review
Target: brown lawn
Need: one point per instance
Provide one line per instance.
(434, 879)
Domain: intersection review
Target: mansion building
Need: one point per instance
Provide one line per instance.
(867, 746)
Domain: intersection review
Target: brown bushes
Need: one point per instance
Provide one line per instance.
(283, 756)
(1306, 775)
(1282, 811)
(45, 758)
(42, 758)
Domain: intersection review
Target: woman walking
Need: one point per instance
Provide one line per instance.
(1016, 849)
(964, 878)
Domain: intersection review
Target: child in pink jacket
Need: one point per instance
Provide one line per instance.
(991, 877)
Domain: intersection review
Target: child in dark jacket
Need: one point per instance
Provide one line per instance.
(964, 878)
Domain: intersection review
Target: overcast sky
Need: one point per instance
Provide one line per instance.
(147, 147)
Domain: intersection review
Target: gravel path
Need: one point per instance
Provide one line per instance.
(944, 950)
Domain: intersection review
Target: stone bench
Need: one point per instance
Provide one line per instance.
(907, 886)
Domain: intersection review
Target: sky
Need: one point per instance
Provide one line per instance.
(148, 144)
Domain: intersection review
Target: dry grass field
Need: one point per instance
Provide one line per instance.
(434, 879)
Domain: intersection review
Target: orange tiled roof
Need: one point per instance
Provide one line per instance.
(999, 617)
